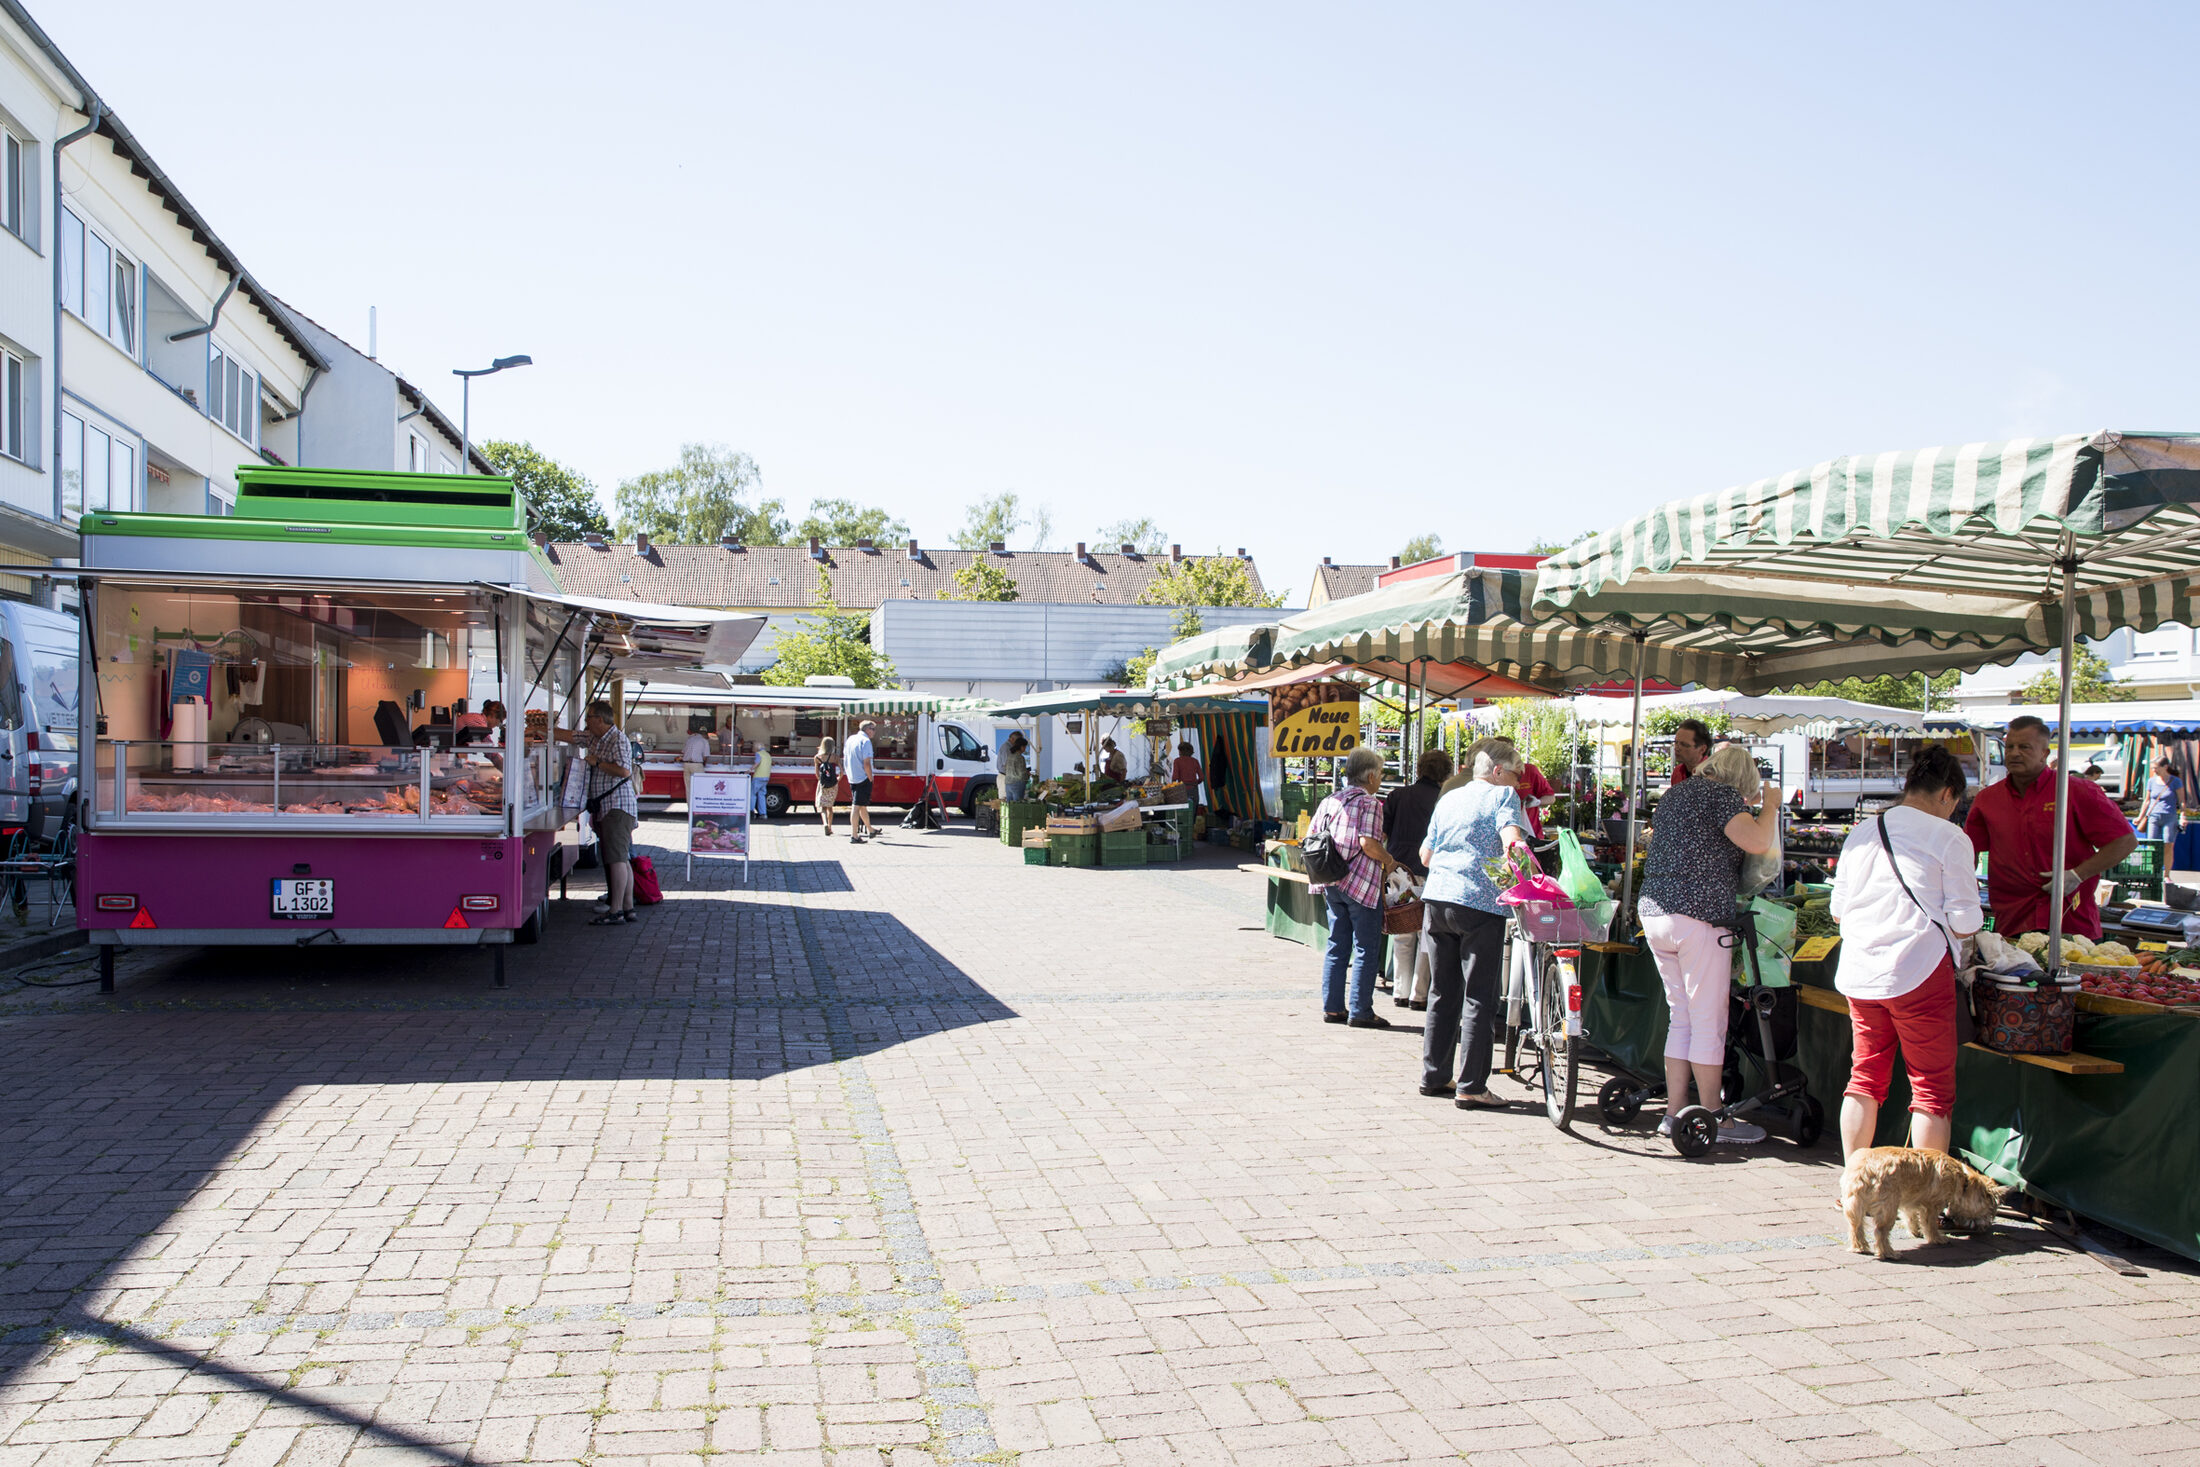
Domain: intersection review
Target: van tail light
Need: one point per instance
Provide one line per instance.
(117, 901)
(478, 903)
(30, 741)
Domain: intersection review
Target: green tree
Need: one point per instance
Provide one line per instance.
(1552, 547)
(1142, 534)
(2090, 682)
(706, 495)
(1207, 580)
(1889, 691)
(561, 503)
(1420, 548)
(843, 522)
(995, 521)
(979, 581)
(832, 643)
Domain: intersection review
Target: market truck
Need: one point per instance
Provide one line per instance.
(277, 747)
(911, 744)
(1836, 775)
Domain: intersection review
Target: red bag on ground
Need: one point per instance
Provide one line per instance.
(647, 893)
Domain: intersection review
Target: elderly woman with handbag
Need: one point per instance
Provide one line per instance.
(1691, 877)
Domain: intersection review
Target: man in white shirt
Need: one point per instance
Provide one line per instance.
(1905, 895)
(861, 766)
(693, 753)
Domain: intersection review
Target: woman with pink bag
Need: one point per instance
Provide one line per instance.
(1690, 878)
(1473, 825)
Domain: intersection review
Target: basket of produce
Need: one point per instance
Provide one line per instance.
(1403, 919)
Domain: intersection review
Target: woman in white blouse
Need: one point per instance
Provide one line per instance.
(1905, 895)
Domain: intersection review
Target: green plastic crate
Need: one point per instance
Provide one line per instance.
(1123, 856)
(1121, 840)
(1035, 855)
(1072, 856)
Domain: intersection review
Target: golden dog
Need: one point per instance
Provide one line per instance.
(1918, 1186)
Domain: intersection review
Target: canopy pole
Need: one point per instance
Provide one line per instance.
(1629, 810)
(2056, 895)
(1412, 771)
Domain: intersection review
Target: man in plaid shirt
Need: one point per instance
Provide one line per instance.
(1353, 818)
(612, 809)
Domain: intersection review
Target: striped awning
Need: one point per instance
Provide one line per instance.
(1224, 652)
(1121, 703)
(893, 702)
(1951, 554)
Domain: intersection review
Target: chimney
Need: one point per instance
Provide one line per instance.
(1176, 552)
(866, 547)
(1241, 553)
(998, 547)
(593, 537)
(815, 553)
(729, 541)
(1081, 556)
(914, 552)
(1393, 560)
(540, 537)
(1130, 549)
(641, 543)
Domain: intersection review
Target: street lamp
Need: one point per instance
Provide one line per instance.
(465, 403)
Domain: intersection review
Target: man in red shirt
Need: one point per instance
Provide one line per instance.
(2013, 824)
(1535, 792)
(1691, 746)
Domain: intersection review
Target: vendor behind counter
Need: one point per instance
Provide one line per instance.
(2013, 824)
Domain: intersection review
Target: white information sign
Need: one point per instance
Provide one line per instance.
(718, 818)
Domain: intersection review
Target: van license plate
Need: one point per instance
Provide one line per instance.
(303, 898)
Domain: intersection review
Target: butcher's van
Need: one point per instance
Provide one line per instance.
(736, 725)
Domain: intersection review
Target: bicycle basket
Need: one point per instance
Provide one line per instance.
(1550, 922)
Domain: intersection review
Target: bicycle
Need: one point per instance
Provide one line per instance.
(1543, 1019)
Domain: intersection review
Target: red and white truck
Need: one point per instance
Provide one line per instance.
(954, 751)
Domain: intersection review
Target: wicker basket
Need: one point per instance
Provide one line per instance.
(1404, 919)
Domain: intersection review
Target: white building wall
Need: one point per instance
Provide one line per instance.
(35, 104)
(1021, 647)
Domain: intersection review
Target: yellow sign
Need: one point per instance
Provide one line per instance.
(1815, 948)
(1314, 720)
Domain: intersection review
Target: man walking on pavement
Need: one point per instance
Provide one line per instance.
(860, 768)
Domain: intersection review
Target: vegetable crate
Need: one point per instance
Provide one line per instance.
(1123, 840)
(1132, 854)
(1072, 850)
(1035, 855)
(2142, 872)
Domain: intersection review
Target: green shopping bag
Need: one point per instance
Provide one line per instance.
(1581, 885)
(1775, 942)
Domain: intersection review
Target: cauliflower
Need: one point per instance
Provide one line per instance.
(2033, 942)
(2106, 950)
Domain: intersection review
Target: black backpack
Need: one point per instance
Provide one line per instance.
(1326, 863)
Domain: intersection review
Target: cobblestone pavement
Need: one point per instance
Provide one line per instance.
(908, 1152)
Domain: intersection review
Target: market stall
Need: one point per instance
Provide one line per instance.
(1952, 558)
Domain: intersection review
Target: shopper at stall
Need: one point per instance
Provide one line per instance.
(1473, 824)
(1015, 767)
(612, 809)
(1691, 876)
(693, 754)
(860, 769)
(2012, 823)
(760, 782)
(2165, 792)
(827, 767)
(1185, 770)
(1112, 763)
(1406, 812)
(1353, 818)
(1905, 893)
(1536, 795)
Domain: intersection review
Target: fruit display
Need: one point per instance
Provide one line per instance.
(2143, 986)
(2082, 951)
(1815, 840)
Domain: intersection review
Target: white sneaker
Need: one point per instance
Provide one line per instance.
(1665, 1125)
(1740, 1133)
(603, 904)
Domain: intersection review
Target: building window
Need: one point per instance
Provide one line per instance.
(99, 283)
(445, 464)
(416, 454)
(15, 185)
(233, 396)
(98, 471)
(12, 406)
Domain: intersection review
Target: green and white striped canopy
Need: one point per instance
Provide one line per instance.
(1119, 702)
(1224, 652)
(1945, 557)
(887, 701)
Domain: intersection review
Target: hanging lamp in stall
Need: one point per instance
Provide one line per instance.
(1943, 558)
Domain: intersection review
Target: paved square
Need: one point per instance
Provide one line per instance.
(910, 1153)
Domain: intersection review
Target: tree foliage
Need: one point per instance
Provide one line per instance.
(561, 502)
(1141, 534)
(706, 495)
(1420, 548)
(843, 522)
(831, 643)
(996, 521)
(2090, 682)
(1552, 547)
(980, 581)
(1889, 691)
(1207, 580)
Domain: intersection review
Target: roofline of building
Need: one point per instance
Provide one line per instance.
(434, 414)
(142, 164)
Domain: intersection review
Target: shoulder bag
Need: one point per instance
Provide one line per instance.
(1326, 862)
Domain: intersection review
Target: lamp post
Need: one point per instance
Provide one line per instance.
(465, 403)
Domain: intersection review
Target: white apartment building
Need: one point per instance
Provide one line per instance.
(2163, 664)
(366, 416)
(142, 361)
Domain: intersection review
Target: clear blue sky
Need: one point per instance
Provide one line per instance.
(1306, 279)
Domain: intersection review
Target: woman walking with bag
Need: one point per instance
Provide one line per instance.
(1906, 892)
(1349, 824)
(1474, 824)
